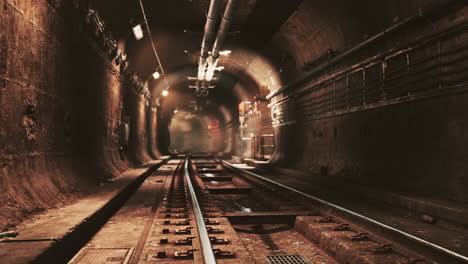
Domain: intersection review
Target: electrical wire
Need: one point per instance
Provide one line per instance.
(153, 44)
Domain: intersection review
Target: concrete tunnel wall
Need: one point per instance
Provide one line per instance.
(60, 110)
(418, 146)
(137, 111)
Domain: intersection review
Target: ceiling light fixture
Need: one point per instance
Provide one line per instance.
(156, 75)
(137, 32)
(225, 52)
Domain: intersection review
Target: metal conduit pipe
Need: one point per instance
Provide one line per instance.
(208, 36)
(343, 55)
(421, 14)
(222, 33)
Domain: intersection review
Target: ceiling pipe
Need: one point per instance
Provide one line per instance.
(208, 37)
(222, 33)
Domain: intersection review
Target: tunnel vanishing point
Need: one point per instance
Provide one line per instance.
(233, 131)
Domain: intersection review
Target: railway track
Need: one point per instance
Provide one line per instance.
(205, 210)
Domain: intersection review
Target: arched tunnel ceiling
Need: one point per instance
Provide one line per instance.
(178, 25)
(270, 40)
(259, 18)
(246, 76)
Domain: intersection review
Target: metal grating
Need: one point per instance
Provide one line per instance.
(103, 256)
(287, 259)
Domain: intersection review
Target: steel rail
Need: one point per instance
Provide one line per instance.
(377, 223)
(205, 243)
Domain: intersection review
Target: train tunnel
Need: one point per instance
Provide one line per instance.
(333, 131)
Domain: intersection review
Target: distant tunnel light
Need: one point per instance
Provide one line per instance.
(156, 75)
(225, 52)
(137, 32)
(165, 93)
(220, 68)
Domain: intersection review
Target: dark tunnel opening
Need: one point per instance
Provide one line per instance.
(360, 105)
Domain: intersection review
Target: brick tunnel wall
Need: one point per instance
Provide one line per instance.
(415, 139)
(97, 105)
(61, 102)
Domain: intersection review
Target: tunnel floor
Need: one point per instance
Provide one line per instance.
(148, 215)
